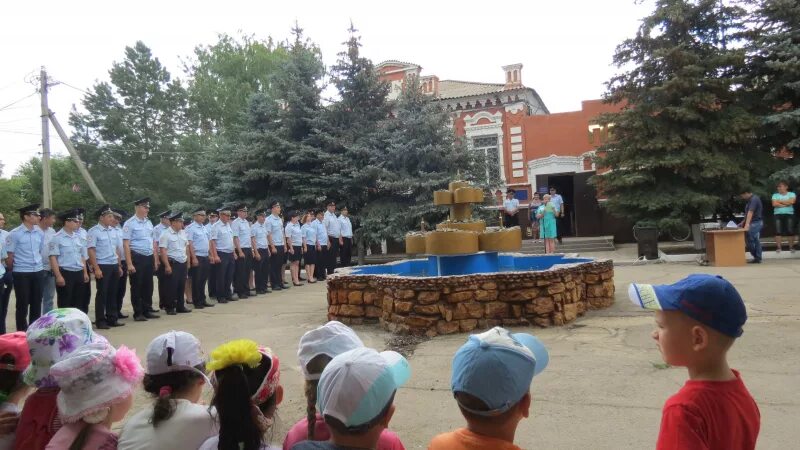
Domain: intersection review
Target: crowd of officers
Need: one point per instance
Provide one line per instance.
(216, 256)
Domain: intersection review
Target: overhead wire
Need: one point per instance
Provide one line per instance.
(17, 101)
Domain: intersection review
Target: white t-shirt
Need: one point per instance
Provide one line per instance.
(213, 443)
(190, 425)
(7, 441)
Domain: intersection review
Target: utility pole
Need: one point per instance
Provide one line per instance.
(47, 186)
(75, 158)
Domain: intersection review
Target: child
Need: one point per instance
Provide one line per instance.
(51, 338)
(175, 377)
(14, 358)
(317, 348)
(97, 384)
(247, 386)
(356, 397)
(697, 320)
(491, 381)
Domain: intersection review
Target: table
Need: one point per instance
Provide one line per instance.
(725, 248)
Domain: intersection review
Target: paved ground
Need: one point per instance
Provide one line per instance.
(604, 387)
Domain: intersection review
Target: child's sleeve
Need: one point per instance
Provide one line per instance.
(681, 429)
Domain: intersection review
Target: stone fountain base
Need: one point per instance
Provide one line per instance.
(463, 303)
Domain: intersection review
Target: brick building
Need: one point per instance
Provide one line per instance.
(527, 148)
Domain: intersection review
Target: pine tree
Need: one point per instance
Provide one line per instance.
(774, 79)
(683, 142)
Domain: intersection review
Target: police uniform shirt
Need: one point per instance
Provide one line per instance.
(310, 233)
(175, 242)
(260, 231)
(322, 233)
(347, 227)
(139, 232)
(3, 256)
(512, 204)
(294, 233)
(157, 230)
(222, 235)
(48, 236)
(84, 235)
(104, 242)
(68, 250)
(27, 247)
(198, 236)
(118, 240)
(332, 225)
(275, 227)
(241, 229)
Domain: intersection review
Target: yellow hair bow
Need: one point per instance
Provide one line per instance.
(240, 351)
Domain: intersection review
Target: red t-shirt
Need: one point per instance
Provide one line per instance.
(710, 415)
(39, 420)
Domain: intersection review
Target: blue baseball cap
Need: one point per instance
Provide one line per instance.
(497, 367)
(708, 299)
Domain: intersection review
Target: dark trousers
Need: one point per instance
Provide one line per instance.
(105, 299)
(70, 295)
(162, 295)
(322, 259)
(6, 286)
(333, 253)
(510, 221)
(224, 275)
(242, 276)
(174, 286)
(559, 228)
(28, 292)
(122, 287)
(261, 268)
(85, 295)
(276, 267)
(141, 283)
(346, 251)
(212, 279)
(199, 275)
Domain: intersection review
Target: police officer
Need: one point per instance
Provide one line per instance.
(276, 242)
(46, 219)
(3, 256)
(7, 281)
(242, 241)
(347, 237)
(86, 292)
(67, 261)
(197, 235)
(222, 250)
(157, 230)
(172, 245)
(261, 253)
(322, 247)
(106, 264)
(24, 246)
(334, 230)
(213, 217)
(119, 217)
(142, 260)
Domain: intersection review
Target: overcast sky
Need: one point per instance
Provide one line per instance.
(565, 46)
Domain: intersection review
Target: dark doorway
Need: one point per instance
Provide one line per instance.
(565, 186)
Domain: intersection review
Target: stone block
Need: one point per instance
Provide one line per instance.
(397, 318)
(467, 325)
(351, 310)
(489, 323)
(497, 310)
(341, 295)
(489, 286)
(372, 312)
(333, 309)
(541, 306)
(427, 310)
(516, 311)
(607, 275)
(355, 298)
(556, 288)
(542, 321)
(486, 296)
(458, 297)
(444, 327)
(520, 295)
(370, 297)
(542, 282)
(595, 290)
(403, 307)
(468, 310)
(421, 322)
(600, 302)
(446, 312)
(405, 294)
(591, 278)
(581, 307)
(357, 286)
(558, 319)
(387, 303)
(428, 297)
(570, 312)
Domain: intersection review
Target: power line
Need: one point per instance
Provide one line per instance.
(17, 101)
(18, 132)
(73, 87)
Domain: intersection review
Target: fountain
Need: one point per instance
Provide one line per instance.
(469, 279)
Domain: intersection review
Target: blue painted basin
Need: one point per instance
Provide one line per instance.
(482, 262)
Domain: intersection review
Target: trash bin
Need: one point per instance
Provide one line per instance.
(647, 242)
(698, 236)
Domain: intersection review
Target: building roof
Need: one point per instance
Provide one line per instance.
(455, 89)
(394, 62)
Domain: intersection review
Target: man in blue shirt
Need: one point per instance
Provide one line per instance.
(24, 246)
(261, 253)
(242, 240)
(104, 259)
(6, 281)
(752, 224)
(46, 219)
(197, 235)
(276, 246)
(347, 237)
(222, 251)
(157, 230)
(142, 259)
(322, 247)
(213, 217)
(172, 245)
(334, 229)
(558, 203)
(67, 261)
(121, 216)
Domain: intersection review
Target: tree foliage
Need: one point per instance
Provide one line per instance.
(684, 139)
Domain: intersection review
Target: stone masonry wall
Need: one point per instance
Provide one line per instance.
(445, 305)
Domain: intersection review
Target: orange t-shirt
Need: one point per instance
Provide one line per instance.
(463, 439)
